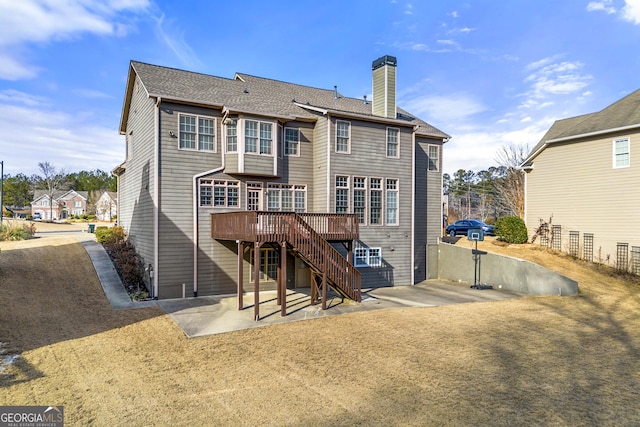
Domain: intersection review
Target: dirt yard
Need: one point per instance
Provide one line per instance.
(568, 361)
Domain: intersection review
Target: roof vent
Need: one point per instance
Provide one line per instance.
(335, 92)
(364, 101)
(246, 90)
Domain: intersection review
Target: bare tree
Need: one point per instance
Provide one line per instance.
(51, 182)
(510, 187)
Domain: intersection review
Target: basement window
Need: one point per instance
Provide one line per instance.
(367, 257)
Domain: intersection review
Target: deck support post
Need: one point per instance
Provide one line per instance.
(324, 290)
(240, 274)
(282, 291)
(256, 281)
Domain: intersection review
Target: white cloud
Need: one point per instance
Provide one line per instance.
(631, 12)
(57, 137)
(604, 6)
(33, 21)
(16, 97)
(173, 38)
(444, 108)
(553, 78)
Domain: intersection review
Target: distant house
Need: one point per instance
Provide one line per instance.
(107, 206)
(64, 204)
(240, 182)
(583, 174)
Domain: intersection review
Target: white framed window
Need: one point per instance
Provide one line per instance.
(391, 188)
(393, 142)
(342, 194)
(197, 133)
(433, 158)
(291, 142)
(300, 198)
(343, 137)
(44, 202)
(367, 257)
(375, 201)
(258, 137)
(360, 198)
(219, 193)
(77, 204)
(232, 136)
(254, 196)
(621, 153)
(286, 197)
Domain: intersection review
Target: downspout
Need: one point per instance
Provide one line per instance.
(413, 207)
(328, 163)
(156, 196)
(196, 228)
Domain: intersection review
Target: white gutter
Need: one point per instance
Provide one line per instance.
(156, 197)
(329, 163)
(196, 229)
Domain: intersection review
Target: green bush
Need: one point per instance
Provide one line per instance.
(511, 229)
(13, 231)
(109, 235)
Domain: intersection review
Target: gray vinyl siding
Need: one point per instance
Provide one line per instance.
(136, 196)
(319, 193)
(299, 169)
(576, 183)
(368, 158)
(176, 207)
(428, 212)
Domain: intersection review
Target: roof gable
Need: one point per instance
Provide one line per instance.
(622, 114)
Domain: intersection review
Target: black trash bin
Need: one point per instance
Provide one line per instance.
(92, 228)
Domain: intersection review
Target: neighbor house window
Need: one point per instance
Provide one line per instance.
(375, 201)
(291, 141)
(342, 194)
(621, 153)
(232, 136)
(360, 198)
(342, 136)
(392, 201)
(392, 142)
(433, 155)
(77, 204)
(367, 257)
(197, 133)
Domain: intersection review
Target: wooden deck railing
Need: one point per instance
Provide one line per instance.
(300, 232)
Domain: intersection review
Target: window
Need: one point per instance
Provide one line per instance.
(368, 257)
(45, 202)
(433, 158)
(342, 136)
(291, 141)
(265, 138)
(375, 201)
(232, 136)
(219, 193)
(252, 138)
(392, 201)
(621, 153)
(254, 196)
(287, 197)
(203, 133)
(342, 194)
(77, 204)
(392, 142)
(300, 198)
(268, 265)
(360, 198)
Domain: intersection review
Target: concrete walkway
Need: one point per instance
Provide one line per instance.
(218, 314)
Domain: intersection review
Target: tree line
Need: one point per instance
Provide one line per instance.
(488, 194)
(19, 190)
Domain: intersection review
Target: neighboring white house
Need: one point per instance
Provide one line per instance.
(107, 206)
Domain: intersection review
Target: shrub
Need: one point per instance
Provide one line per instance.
(109, 235)
(511, 229)
(12, 231)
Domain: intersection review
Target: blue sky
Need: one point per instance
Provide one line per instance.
(488, 73)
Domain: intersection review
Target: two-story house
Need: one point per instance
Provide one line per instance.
(248, 181)
(64, 204)
(107, 206)
(583, 174)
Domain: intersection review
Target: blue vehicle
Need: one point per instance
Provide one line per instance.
(464, 225)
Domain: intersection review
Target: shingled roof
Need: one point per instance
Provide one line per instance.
(257, 95)
(621, 115)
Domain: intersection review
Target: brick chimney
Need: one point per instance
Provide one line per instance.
(384, 86)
